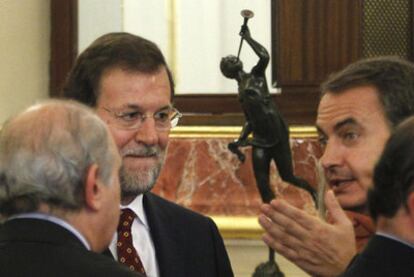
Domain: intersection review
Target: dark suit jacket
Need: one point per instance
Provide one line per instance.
(186, 243)
(383, 257)
(34, 247)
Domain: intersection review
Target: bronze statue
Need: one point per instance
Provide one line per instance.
(270, 133)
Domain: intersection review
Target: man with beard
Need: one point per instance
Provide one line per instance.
(126, 80)
(358, 110)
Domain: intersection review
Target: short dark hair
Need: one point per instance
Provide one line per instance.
(127, 51)
(392, 77)
(394, 173)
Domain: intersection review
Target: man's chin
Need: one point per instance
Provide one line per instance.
(129, 194)
(132, 194)
(132, 187)
(349, 203)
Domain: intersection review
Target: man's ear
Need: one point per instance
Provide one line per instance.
(93, 188)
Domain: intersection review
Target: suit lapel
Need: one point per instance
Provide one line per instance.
(164, 234)
(108, 253)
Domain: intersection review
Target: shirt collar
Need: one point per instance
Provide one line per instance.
(47, 217)
(390, 236)
(137, 206)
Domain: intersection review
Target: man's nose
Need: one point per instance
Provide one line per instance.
(147, 132)
(332, 155)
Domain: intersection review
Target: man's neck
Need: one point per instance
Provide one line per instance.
(127, 199)
(399, 226)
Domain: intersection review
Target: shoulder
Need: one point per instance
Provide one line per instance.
(67, 259)
(167, 207)
(82, 262)
(174, 214)
(96, 264)
(383, 257)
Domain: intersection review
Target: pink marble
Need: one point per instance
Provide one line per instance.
(203, 175)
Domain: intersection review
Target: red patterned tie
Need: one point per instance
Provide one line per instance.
(127, 254)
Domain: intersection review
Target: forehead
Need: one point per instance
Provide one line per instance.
(361, 104)
(119, 87)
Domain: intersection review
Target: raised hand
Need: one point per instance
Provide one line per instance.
(244, 32)
(318, 247)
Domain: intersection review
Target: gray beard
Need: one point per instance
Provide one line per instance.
(138, 182)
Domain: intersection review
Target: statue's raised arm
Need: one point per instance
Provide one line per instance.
(260, 68)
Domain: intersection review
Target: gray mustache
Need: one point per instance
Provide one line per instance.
(144, 151)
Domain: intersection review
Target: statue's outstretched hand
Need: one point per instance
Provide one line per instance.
(234, 148)
(244, 32)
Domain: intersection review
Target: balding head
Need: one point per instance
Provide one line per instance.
(45, 154)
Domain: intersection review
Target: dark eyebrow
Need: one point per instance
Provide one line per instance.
(347, 121)
(165, 107)
(137, 107)
(129, 106)
(338, 125)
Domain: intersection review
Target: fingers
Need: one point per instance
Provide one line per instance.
(337, 214)
(280, 225)
(292, 252)
(280, 232)
(310, 243)
(280, 248)
(290, 215)
(287, 235)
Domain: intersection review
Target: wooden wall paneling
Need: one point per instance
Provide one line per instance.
(63, 42)
(309, 39)
(315, 38)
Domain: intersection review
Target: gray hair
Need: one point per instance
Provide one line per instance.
(45, 153)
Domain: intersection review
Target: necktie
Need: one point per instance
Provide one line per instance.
(127, 254)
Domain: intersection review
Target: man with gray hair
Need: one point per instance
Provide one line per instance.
(59, 193)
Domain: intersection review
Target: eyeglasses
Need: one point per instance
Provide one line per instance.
(164, 119)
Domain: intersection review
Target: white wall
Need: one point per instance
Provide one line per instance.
(24, 54)
(193, 38)
(246, 254)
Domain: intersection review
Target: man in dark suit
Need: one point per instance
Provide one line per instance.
(59, 193)
(359, 108)
(390, 252)
(126, 80)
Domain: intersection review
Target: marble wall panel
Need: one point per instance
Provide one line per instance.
(203, 175)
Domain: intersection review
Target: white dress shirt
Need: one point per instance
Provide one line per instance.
(141, 238)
